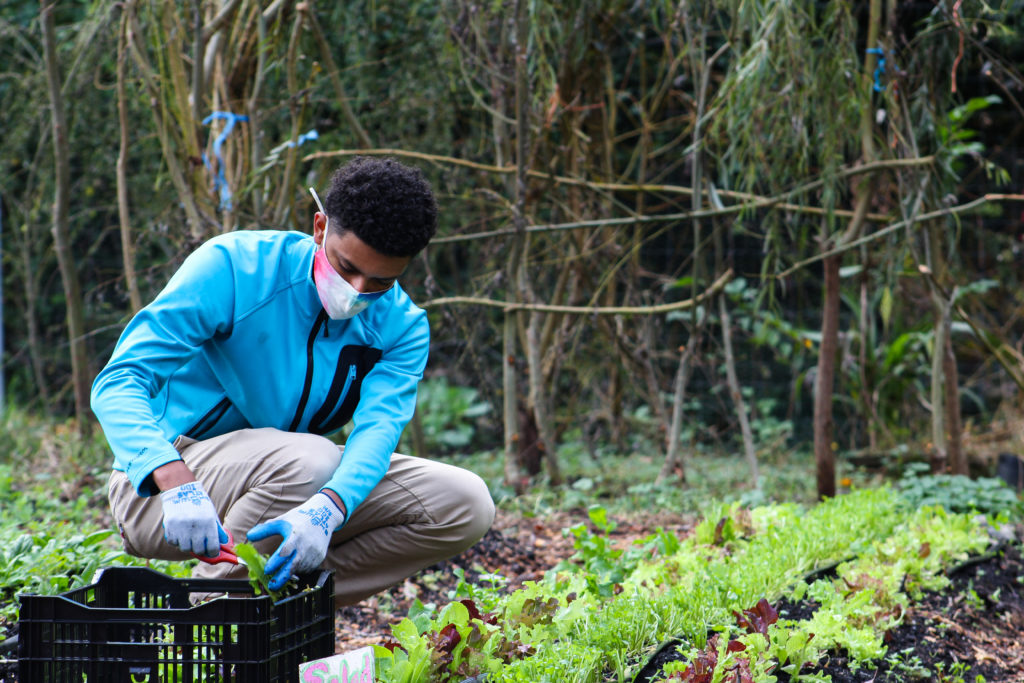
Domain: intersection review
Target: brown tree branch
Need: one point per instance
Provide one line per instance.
(889, 229)
(658, 309)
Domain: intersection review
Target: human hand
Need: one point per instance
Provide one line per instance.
(306, 531)
(190, 520)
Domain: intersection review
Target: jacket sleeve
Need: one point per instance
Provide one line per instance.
(387, 403)
(196, 304)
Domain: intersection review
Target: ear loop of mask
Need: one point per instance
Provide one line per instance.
(320, 206)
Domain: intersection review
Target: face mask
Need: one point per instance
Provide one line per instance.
(340, 299)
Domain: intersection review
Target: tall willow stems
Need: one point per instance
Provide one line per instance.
(80, 376)
(123, 212)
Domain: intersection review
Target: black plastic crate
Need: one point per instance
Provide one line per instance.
(137, 625)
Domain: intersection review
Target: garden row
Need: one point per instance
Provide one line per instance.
(709, 599)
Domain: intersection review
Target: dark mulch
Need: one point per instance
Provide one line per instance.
(981, 631)
(973, 628)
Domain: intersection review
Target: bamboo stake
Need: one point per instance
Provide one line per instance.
(609, 120)
(509, 403)
(123, 212)
(175, 81)
(954, 424)
(824, 455)
(197, 61)
(945, 391)
(679, 384)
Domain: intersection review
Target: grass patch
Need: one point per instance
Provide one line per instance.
(627, 483)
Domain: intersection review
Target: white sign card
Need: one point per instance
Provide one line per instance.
(352, 667)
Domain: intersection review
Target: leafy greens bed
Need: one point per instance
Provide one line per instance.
(49, 545)
(862, 558)
(600, 617)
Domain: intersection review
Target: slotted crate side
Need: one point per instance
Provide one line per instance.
(63, 642)
(304, 626)
(154, 633)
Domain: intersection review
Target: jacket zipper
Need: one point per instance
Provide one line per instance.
(321, 319)
(348, 381)
(206, 422)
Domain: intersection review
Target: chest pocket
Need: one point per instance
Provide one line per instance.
(354, 363)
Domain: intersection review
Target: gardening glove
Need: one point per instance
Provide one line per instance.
(190, 520)
(306, 531)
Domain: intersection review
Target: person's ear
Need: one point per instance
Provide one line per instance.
(319, 227)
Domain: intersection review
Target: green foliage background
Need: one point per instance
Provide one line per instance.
(617, 93)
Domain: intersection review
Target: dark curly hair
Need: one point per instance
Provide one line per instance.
(388, 205)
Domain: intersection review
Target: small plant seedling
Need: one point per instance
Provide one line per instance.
(256, 563)
(908, 665)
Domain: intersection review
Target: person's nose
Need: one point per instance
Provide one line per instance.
(361, 283)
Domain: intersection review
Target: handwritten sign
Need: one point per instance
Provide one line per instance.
(351, 667)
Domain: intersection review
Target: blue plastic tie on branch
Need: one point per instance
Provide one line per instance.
(879, 68)
(310, 135)
(221, 182)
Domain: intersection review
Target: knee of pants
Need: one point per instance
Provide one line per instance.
(310, 458)
(475, 511)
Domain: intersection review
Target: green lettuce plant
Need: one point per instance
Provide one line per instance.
(256, 563)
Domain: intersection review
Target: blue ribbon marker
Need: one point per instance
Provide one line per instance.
(220, 182)
(310, 135)
(880, 68)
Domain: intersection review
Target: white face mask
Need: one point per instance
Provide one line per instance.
(340, 299)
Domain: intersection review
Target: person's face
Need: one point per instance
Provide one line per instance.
(361, 265)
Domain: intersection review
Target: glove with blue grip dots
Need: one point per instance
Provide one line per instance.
(190, 520)
(306, 531)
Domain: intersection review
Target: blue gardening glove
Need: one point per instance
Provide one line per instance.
(306, 531)
(190, 520)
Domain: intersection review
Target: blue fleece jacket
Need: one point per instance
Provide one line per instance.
(239, 339)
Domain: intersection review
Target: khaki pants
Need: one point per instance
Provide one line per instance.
(420, 513)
